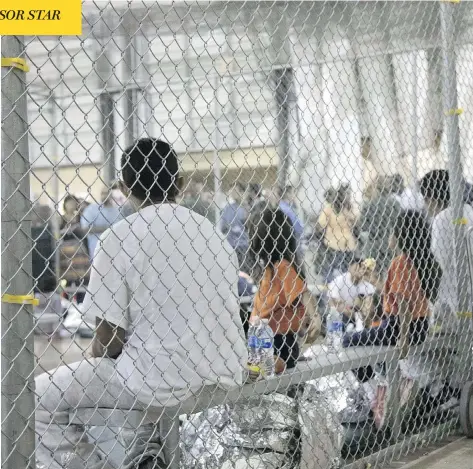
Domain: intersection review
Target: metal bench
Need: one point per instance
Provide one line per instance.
(168, 418)
(325, 365)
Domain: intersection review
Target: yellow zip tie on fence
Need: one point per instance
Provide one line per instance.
(465, 315)
(460, 221)
(20, 299)
(454, 112)
(15, 62)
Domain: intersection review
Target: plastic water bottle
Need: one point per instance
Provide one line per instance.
(334, 335)
(261, 347)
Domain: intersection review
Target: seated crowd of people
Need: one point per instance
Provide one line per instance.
(163, 287)
(385, 270)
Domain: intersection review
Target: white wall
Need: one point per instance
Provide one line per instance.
(178, 76)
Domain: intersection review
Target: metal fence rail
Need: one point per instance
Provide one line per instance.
(212, 396)
(316, 155)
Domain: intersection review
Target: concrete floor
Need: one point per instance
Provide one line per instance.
(455, 455)
(57, 351)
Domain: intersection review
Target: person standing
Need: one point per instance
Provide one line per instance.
(336, 224)
(233, 223)
(255, 196)
(198, 201)
(120, 201)
(407, 197)
(43, 264)
(73, 251)
(375, 223)
(43, 261)
(97, 218)
(435, 188)
(288, 205)
(71, 215)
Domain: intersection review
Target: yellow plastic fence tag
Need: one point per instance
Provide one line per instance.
(20, 299)
(454, 112)
(465, 315)
(41, 18)
(15, 62)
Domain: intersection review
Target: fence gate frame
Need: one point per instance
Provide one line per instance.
(18, 357)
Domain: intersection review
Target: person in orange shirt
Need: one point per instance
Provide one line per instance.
(412, 282)
(282, 284)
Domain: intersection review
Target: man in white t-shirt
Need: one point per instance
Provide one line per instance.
(436, 192)
(163, 292)
(346, 288)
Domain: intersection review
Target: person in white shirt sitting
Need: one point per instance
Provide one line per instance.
(163, 291)
(407, 197)
(435, 188)
(345, 289)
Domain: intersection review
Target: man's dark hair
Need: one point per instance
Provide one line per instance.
(435, 185)
(256, 190)
(150, 170)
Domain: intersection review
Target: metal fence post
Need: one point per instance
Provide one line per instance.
(53, 109)
(107, 110)
(216, 151)
(18, 437)
(457, 184)
(131, 92)
(284, 95)
(415, 126)
(106, 101)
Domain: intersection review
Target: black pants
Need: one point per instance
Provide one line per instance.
(388, 333)
(287, 348)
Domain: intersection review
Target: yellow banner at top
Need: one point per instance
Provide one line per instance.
(41, 17)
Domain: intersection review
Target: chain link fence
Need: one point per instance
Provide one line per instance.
(183, 170)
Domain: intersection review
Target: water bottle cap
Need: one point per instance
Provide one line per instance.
(254, 321)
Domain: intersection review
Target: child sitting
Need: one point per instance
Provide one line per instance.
(412, 282)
